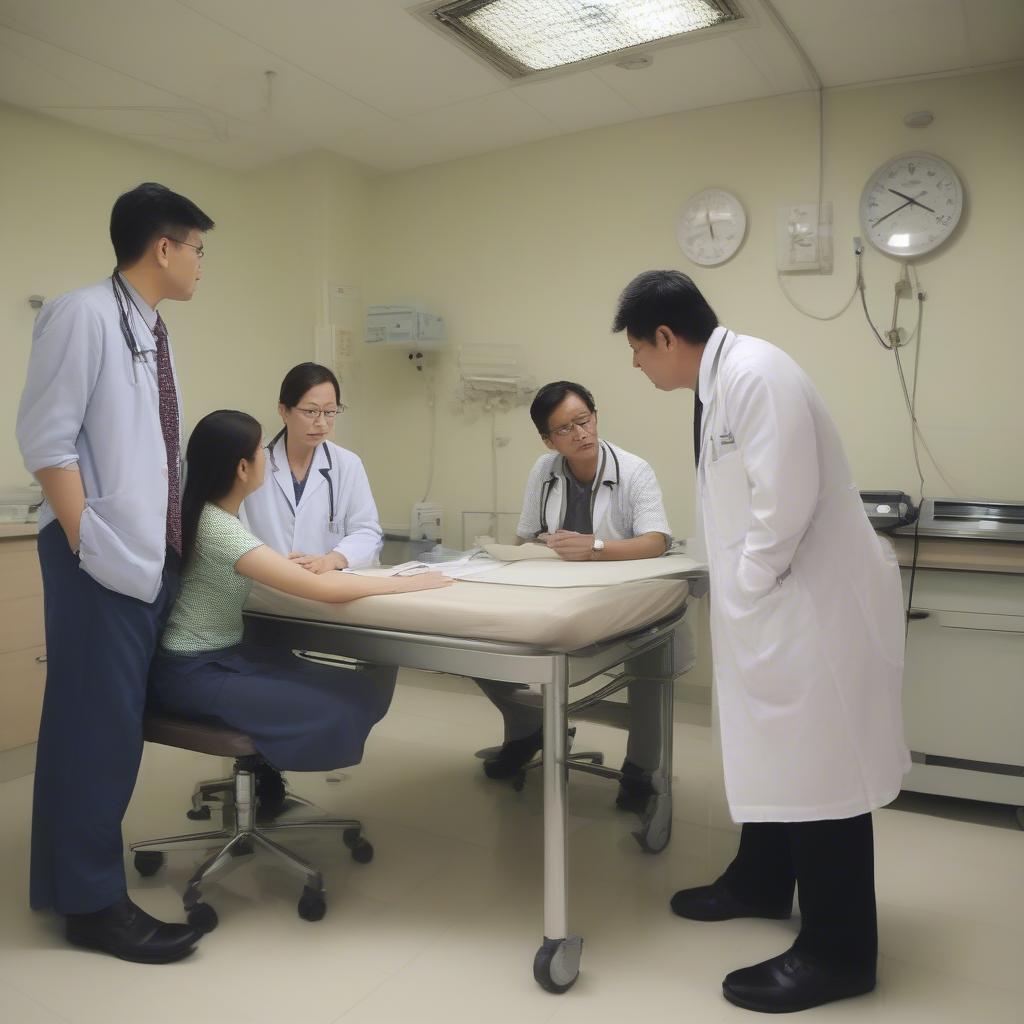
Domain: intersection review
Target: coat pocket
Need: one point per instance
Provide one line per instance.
(729, 494)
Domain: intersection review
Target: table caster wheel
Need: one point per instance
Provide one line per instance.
(361, 849)
(557, 964)
(149, 862)
(312, 904)
(198, 813)
(203, 917)
(519, 781)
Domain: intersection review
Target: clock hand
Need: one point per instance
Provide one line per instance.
(891, 212)
(911, 199)
(711, 225)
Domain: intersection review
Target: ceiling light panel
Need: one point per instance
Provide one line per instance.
(524, 37)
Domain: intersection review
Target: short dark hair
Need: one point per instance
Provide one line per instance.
(551, 396)
(147, 212)
(666, 298)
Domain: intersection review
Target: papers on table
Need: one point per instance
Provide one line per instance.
(458, 569)
(519, 552)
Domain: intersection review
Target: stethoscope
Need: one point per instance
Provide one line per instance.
(125, 303)
(325, 472)
(548, 486)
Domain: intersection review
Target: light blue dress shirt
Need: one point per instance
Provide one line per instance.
(89, 400)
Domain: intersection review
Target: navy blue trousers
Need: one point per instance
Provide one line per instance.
(301, 716)
(99, 645)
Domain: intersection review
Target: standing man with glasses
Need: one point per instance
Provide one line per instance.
(588, 500)
(807, 633)
(99, 425)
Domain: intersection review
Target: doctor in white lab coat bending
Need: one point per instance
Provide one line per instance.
(315, 507)
(807, 633)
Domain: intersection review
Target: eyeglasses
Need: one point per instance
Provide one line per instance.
(583, 422)
(314, 414)
(181, 241)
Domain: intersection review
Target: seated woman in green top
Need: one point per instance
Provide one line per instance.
(300, 715)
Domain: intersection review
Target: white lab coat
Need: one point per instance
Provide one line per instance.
(270, 511)
(87, 400)
(627, 503)
(807, 622)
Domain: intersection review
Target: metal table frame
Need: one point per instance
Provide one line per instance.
(645, 654)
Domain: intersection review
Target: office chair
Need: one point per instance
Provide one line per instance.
(242, 830)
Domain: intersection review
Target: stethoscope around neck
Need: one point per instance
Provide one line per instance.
(325, 471)
(549, 484)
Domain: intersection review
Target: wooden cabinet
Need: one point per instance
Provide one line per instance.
(22, 650)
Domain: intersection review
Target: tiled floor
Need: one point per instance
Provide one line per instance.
(443, 924)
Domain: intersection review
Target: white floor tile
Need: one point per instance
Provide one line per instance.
(445, 921)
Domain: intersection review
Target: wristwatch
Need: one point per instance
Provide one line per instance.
(597, 548)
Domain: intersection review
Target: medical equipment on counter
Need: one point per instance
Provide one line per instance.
(888, 510)
(960, 519)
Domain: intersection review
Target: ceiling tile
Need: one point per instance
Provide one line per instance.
(578, 101)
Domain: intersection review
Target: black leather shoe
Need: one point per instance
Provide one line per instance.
(512, 756)
(126, 931)
(716, 903)
(790, 982)
(635, 789)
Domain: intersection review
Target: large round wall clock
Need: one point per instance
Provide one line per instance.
(711, 226)
(911, 204)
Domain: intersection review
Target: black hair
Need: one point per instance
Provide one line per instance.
(150, 211)
(664, 298)
(218, 443)
(297, 381)
(551, 396)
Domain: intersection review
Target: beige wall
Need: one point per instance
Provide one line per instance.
(533, 244)
(280, 232)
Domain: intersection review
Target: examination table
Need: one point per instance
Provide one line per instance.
(550, 624)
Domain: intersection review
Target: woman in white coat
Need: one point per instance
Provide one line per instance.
(807, 640)
(315, 505)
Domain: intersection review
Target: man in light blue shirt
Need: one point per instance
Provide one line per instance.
(99, 427)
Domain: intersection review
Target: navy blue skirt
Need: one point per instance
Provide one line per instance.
(301, 716)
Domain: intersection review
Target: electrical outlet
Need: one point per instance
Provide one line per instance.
(804, 238)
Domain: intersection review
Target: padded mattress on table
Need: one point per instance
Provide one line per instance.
(552, 619)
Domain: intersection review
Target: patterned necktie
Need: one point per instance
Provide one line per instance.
(169, 427)
(698, 412)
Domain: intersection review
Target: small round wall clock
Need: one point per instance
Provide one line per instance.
(711, 226)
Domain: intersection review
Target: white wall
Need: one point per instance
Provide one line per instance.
(533, 244)
(279, 233)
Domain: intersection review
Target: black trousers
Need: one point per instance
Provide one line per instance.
(832, 866)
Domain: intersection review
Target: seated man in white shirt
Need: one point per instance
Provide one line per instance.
(586, 499)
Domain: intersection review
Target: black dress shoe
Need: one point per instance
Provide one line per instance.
(791, 982)
(513, 755)
(635, 789)
(126, 931)
(716, 903)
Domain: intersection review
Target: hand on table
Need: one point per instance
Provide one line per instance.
(319, 564)
(573, 547)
